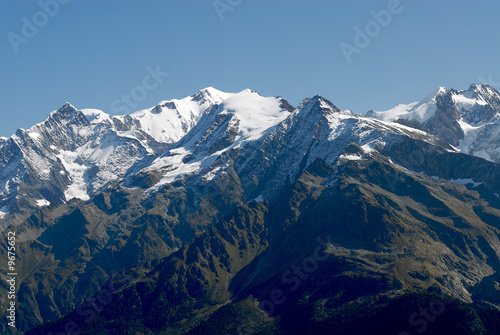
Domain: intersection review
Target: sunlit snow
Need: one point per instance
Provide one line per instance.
(42, 203)
(78, 187)
(3, 212)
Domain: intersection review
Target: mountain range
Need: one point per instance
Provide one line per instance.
(234, 212)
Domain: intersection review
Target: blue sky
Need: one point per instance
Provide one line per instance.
(92, 52)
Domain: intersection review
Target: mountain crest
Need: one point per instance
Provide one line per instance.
(318, 106)
(468, 119)
(487, 94)
(66, 109)
(210, 94)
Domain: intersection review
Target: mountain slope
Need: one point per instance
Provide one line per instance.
(295, 264)
(212, 220)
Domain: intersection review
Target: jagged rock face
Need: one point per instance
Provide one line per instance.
(213, 219)
(74, 154)
(444, 123)
(469, 120)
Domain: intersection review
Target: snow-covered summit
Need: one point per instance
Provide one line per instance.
(417, 111)
(254, 136)
(241, 118)
(468, 119)
(75, 153)
(255, 114)
(168, 121)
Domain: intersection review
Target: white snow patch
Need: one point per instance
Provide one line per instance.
(173, 167)
(95, 115)
(42, 203)
(470, 136)
(34, 135)
(3, 212)
(103, 152)
(417, 111)
(211, 175)
(256, 113)
(466, 127)
(395, 113)
(171, 119)
(464, 181)
(78, 187)
(260, 198)
(351, 157)
(370, 146)
(466, 103)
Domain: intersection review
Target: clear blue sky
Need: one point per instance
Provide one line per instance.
(91, 52)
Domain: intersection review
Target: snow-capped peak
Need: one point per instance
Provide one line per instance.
(240, 119)
(168, 121)
(254, 112)
(65, 109)
(211, 94)
(67, 105)
(317, 107)
(468, 119)
(487, 94)
(95, 115)
(416, 111)
(74, 153)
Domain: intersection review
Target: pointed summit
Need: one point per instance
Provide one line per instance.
(66, 113)
(467, 119)
(485, 93)
(67, 107)
(317, 106)
(210, 94)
